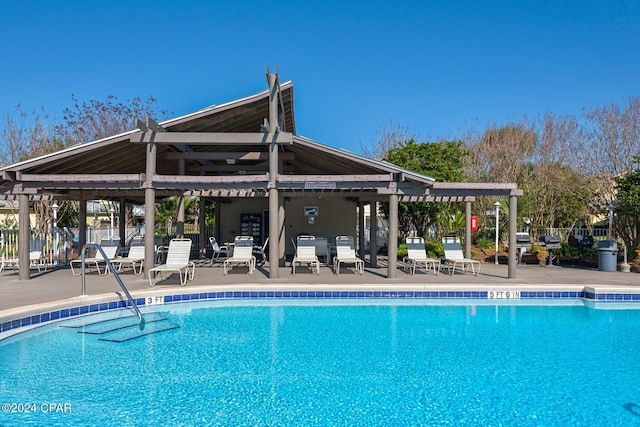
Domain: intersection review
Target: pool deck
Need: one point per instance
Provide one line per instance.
(56, 288)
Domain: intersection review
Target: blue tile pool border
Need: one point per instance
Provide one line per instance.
(69, 312)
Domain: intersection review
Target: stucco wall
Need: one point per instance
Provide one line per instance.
(336, 216)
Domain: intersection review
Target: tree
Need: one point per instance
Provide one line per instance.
(439, 160)
(628, 208)
(167, 211)
(25, 137)
(89, 121)
(390, 136)
(500, 153)
(611, 140)
(557, 192)
(22, 140)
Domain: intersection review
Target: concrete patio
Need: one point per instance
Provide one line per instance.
(55, 286)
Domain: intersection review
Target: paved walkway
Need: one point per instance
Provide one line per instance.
(60, 284)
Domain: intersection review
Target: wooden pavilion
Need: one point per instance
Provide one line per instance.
(244, 150)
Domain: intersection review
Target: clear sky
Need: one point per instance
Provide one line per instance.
(432, 66)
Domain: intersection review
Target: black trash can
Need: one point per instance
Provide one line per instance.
(607, 255)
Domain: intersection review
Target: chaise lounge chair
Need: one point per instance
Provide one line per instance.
(242, 254)
(417, 256)
(177, 261)
(135, 257)
(346, 254)
(454, 257)
(5, 260)
(36, 246)
(306, 254)
(110, 246)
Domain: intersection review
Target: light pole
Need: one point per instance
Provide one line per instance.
(55, 233)
(610, 207)
(111, 211)
(497, 205)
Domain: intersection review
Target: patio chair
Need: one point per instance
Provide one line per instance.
(306, 254)
(218, 250)
(242, 254)
(293, 243)
(177, 261)
(261, 250)
(35, 255)
(110, 247)
(417, 256)
(135, 257)
(346, 254)
(7, 261)
(322, 249)
(453, 256)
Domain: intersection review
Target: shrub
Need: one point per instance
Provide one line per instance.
(540, 252)
(434, 249)
(566, 250)
(402, 250)
(484, 243)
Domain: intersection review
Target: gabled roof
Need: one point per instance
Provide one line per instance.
(115, 166)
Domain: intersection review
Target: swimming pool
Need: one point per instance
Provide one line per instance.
(379, 362)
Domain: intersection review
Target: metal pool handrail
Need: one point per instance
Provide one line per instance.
(115, 274)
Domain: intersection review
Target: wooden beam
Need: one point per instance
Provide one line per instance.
(334, 178)
(210, 138)
(238, 192)
(154, 126)
(140, 125)
(253, 156)
(80, 178)
(476, 188)
(335, 186)
(190, 179)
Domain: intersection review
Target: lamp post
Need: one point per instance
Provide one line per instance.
(610, 207)
(497, 205)
(111, 212)
(55, 207)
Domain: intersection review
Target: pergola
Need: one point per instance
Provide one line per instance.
(246, 148)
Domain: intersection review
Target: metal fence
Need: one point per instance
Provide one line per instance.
(47, 247)
(564, 233)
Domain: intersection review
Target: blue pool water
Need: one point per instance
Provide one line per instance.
(385, 363)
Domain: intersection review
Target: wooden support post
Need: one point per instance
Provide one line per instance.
(467, 229)
(373, 235)
(149, 208)
(393, 236)
(274, 232)
(361, 227)
(181, 204)
(24, 237)
(513, 215)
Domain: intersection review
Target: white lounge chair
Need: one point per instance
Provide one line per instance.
(35, 255)
(346, 254)
(177, 261)
(417, 256)
(454, 257)
(242, 254)
(135, 258)
(218, 250)
(7, 261)
(110, 247)
(306, 254)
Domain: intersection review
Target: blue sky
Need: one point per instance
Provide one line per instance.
(435, 67)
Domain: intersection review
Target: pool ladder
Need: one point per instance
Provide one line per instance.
(115, 274)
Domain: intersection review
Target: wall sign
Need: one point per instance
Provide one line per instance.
(310, 211)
